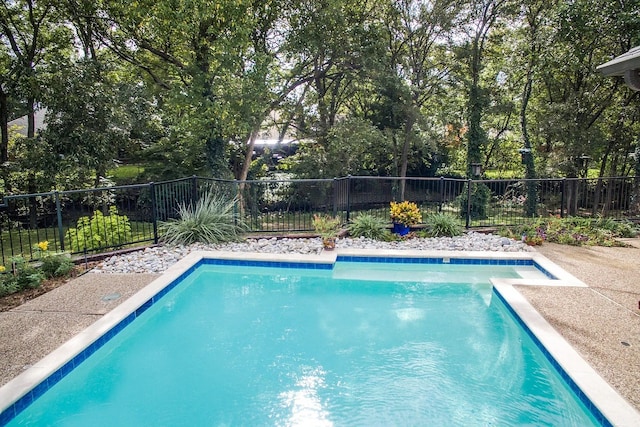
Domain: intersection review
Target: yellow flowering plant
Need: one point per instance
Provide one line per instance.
(52, 264)
(406, 213)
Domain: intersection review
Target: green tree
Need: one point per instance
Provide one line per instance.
(87, 126)
(352, 147)
(194, 52)
(481, 17)
(416, 36)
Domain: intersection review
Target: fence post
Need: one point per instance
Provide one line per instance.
(194, 190)
(59, 215)
(335, 197)
(441, 194)
(237, 209)
(562, 191)
(468, 221)
(154, 216)
(348, 197)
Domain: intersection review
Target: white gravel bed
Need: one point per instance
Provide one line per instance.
(158, 259)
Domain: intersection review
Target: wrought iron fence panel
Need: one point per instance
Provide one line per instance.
(285, 205)
(95, 220)
(109, 218)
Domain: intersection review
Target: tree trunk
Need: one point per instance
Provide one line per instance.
(635, 199)
(31, 180)
(476, 135)
(4, 127)
(404, 159)
(530, 169)
(246, 166)
(601, 173)
(251, 143)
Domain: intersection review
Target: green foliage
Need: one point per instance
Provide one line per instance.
(56, 265)
(441, 225)
(393, 83)
(52, 264)
(213, 219)
(126, 174)
(100, 231)
(369, 226)
(480, 196)
(572, 231)
(617, 228)
(22, 275)
(353, 147)
(325, 225)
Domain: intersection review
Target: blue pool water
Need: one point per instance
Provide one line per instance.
(361, 344)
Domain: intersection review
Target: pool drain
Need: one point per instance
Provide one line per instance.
(111, 297)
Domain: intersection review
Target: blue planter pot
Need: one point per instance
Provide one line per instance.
(400, 229)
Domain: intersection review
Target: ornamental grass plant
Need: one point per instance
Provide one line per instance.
(369, 226)
(441, 225)
(213, 219)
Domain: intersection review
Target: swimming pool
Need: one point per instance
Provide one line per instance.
(312, 381)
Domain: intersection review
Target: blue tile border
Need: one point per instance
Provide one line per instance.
(389, 260)
(14, 410)
(273, 264)
(597, 414)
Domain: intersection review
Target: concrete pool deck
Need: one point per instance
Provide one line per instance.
(601, 321)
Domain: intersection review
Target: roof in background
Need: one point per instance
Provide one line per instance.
(21, 123)
(618, 65)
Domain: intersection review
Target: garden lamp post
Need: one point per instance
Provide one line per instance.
(476, 170)
(584, 164)
(524, 152)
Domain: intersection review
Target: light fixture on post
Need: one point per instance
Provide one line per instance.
(476, 170)
(524, 152)
(584, 163)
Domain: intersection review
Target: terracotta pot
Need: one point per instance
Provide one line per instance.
(329, 243)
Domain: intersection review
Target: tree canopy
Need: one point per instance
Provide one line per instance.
(373, 87)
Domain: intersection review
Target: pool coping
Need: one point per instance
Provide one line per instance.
(617, 410)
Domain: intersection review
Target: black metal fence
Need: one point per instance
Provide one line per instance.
(83, 221)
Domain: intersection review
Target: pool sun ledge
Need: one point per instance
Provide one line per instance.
(616, 409)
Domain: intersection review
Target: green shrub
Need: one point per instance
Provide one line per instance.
(480, 196)
(325, 225)
(618, 228)
(441, 225)
(52, 264)
(100, 231)
(20, 275)
(369, 226)
(212, 220)
(8, 285)
(56, 265)
(572, 231)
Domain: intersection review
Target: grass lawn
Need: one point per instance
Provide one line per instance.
(126, 174)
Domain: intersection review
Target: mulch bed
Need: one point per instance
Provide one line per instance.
(8, 302)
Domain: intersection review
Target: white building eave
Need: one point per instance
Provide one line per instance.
(620, 64)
